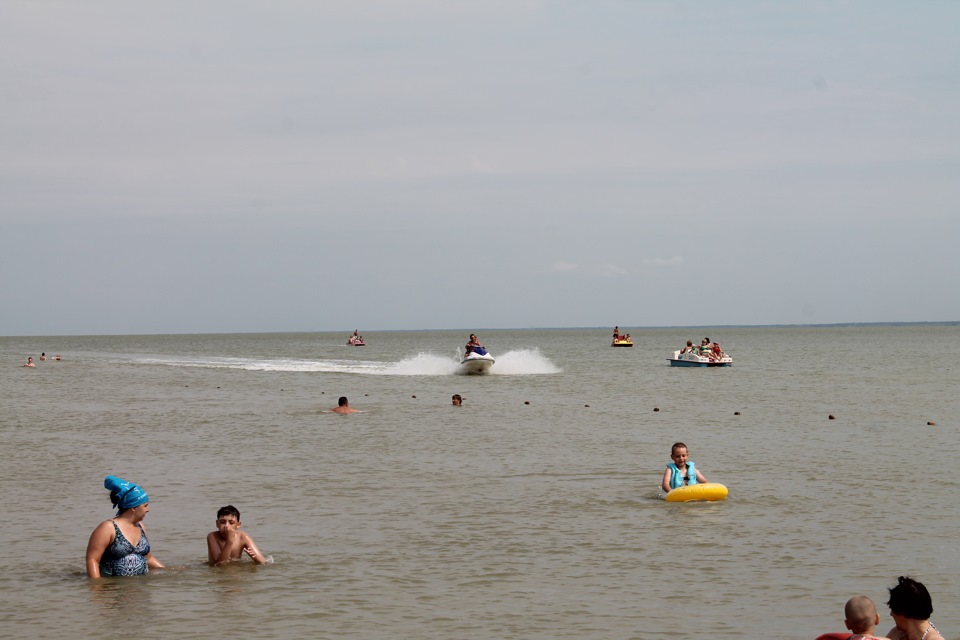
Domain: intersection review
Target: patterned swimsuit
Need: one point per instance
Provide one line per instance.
(123, 559)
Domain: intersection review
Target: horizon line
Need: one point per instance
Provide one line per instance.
(945, 323)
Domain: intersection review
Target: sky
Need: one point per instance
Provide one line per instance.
(293, 165)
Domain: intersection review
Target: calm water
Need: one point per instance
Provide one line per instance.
(498, 519)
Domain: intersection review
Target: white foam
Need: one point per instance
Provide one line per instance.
(519, 362)
(523, 362)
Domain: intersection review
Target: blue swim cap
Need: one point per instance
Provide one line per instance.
(123, 494)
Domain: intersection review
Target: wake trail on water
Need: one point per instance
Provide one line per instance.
(518, 362)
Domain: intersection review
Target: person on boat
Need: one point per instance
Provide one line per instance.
(681, 472)
(343, 406)
(472, 344)
(616, 333)
(627, 338)
(911, 607)
(718, 353)
(689, 348)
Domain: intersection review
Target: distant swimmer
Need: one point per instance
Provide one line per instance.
(456, 400)
(57, 357)
(29, 362)
(343, 406)
(43, 356)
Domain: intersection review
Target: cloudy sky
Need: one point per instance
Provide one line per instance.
(294, 165)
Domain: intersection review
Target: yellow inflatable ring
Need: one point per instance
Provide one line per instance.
(710, 491)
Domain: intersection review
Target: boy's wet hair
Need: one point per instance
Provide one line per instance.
(228, 510)
(677, 445)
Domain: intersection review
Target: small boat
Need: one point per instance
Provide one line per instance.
(356, 341)
(694, 359)
(478, 361)
(622, 342)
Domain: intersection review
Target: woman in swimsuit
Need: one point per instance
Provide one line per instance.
(119, 546)
(911, 607)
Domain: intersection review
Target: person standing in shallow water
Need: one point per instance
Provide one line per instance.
(119, 546)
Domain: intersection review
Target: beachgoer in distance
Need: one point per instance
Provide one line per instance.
(343, 406)
(911, 607)
(56, 357)
(228, 543)
(616, 333)
(43, 356)
(119, 546)
(29, 362)
(689, 348)
(681, 472)
(456, 400)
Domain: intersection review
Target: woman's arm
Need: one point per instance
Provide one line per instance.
(100, 539)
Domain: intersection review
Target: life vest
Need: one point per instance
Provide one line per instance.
(677, 478)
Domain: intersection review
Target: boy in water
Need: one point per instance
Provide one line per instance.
(228, 543)
(680, 472)
(861, 619)
(861, 616)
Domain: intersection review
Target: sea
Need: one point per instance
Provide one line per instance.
(530, 512)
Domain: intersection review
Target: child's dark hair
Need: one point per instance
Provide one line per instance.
(228, 510)
(677, 445)
(910, 599)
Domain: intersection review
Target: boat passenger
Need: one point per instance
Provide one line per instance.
(616, 333)
(681, 472)
(471, 344)
(689, 348)
(718, 353)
